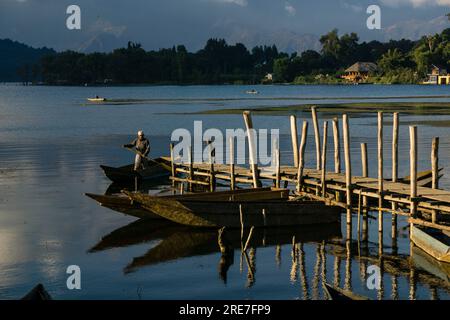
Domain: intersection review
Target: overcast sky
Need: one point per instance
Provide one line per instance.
(162, 23)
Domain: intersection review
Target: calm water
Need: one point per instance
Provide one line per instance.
(51, 146)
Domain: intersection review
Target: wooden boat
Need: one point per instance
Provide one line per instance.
(424, 261)
(154, 169)
(334, 293)
(96, 99)
(38, 293)
(424, 178)
(434, 242)
(260, 209)
(122, 203)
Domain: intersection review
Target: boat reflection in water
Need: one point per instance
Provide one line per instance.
(318, 254)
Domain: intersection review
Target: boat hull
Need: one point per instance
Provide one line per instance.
(429, 242)
(127, 175)
(219, 213)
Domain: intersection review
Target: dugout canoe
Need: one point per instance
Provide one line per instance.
(259, 209)
(154, 169)
(434, 242)
(38, 293)
(122, 203)
(335, 293)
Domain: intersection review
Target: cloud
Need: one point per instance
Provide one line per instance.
(290, 9)
(416, 3)
(353, 7)
(242, 3)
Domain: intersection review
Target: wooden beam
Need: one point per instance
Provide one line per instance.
(232, 174)
(301, 162)
(324, 158)
(316, 135)
(395, 129)
(413, 168)
(294, 138)
(252, 148)
(348, 169)
(435, 171)
(380, 170)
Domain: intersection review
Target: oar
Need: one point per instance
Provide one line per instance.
(139, 153)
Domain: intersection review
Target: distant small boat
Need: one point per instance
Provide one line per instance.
(96, 99)
(38, 293)
(154, 169)
(434, 242)
(334, 293)
(253, 91)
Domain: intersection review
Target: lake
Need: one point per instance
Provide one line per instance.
(52, 143)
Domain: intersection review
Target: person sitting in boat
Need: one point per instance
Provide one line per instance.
(142, 146)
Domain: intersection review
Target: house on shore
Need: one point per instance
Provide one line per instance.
(438, 75)
(359, 72)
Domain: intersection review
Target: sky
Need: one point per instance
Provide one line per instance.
(293, 25)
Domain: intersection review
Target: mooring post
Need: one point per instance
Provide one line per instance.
(191, 169)
(365, 174)
(277, 168)
(301, 161)
(413, 169)
(294, 138)
(337, 152)
(252, 148)
(435, 172)
(380, 171)
(232, 175)
(316, 135)
(394, 169)
(324, 158)
(212, 179)
(348, 171)
(172, 163)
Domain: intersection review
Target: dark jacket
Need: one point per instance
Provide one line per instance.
(143, 146)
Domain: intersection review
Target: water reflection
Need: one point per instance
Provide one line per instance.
(310, 247)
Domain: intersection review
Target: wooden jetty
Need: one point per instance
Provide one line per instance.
(417, 196)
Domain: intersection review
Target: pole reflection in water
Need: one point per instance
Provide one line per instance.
(309, 248)
(302, 270)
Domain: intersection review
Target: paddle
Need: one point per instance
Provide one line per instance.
(140, 153)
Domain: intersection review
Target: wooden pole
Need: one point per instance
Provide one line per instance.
(317, 136)
(191, 168)
(337, 147)
(365, 174)
(435, 172)
(380, 171)
(172, 162)
(394, 169)
(348, 170)
(337, 152)
(212, 179)
(294, 138)
(324, 158)
(232, 175)
(251, 148)
(301, 161)
(277, 173)
(413, 169)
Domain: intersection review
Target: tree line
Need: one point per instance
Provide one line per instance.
(399, 61)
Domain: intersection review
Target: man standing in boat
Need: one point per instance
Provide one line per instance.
(142, 146)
